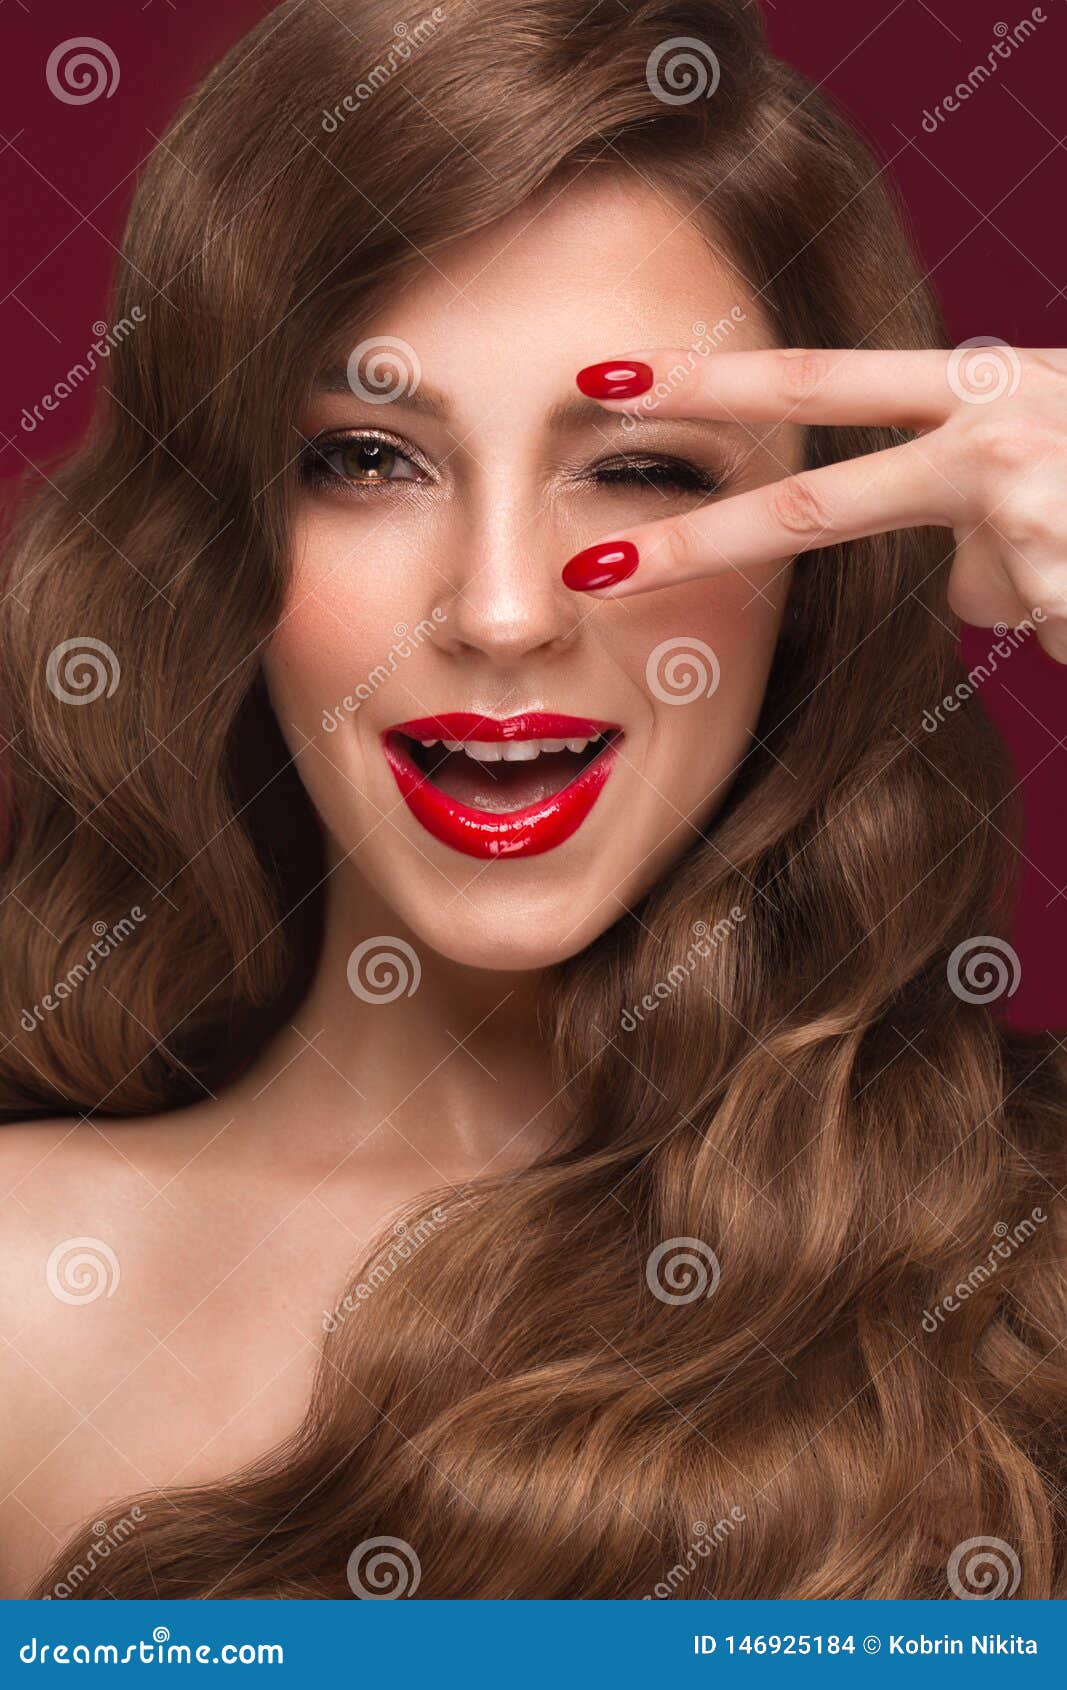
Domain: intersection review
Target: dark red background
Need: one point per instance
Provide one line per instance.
(985, 195)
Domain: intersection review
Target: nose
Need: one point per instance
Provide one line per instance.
(505, 599)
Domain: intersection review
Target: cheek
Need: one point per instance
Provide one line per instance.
(344, 615)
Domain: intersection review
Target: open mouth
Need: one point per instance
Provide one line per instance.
(492, 787)
(505, 776)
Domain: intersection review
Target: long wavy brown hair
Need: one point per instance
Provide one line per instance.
(547, 1401)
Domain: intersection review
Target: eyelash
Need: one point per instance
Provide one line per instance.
(660, 474)
(316, 472)
(656, 473)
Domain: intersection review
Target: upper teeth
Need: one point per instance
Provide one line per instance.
(509, 750)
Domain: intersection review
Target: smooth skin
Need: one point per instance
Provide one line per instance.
(989, 462)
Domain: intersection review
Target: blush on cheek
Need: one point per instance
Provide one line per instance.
(310, 652)
(724, 628)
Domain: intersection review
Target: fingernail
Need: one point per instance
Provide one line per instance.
(600, 566)
(615, 380)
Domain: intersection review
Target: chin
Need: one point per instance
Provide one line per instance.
(508, 934)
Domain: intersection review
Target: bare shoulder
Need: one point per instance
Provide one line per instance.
(65, 1199)
(102, 1224)
(90, 1248)
(75, 1196)
(163, 1283)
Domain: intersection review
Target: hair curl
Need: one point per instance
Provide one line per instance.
(813, 1104)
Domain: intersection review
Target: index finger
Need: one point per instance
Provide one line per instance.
(899, 487)
(909, 389)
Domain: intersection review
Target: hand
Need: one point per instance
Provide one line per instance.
(989, 461)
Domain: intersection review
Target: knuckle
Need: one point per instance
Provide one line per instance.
(969, 599)
(674, 548)
(800, 374)
(1027, 514)
(1053, 604)
(1004, 443)
(798, 508)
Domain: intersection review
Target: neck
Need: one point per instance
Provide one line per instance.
(396, 1040)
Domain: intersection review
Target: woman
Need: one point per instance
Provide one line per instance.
(531, 1101)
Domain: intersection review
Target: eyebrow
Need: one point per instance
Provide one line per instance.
(423, 398)
(429, 401)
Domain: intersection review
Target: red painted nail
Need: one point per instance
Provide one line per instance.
(615, 380)
(600, 566)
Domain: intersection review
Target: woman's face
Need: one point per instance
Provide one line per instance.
(457, 468)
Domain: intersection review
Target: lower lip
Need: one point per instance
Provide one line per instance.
(514, 833)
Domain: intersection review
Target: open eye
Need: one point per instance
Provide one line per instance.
(355, 461)
(657, 474)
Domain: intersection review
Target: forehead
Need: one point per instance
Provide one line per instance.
(604, 265)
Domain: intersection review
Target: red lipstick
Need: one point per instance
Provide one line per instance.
(527, 830)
